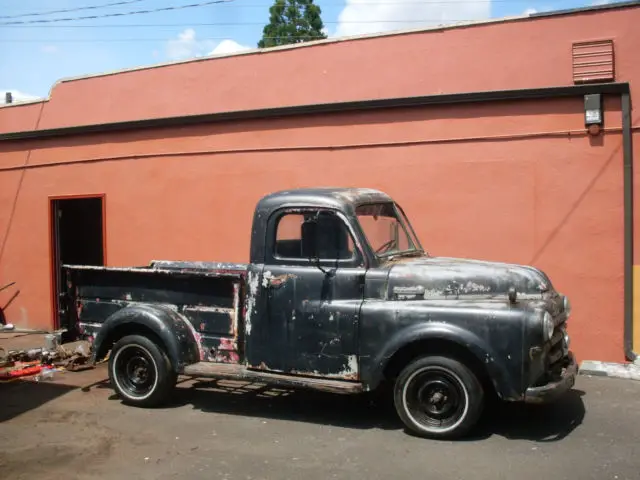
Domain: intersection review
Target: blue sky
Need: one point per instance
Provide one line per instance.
(34, 56)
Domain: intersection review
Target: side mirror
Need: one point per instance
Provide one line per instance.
(310, 238)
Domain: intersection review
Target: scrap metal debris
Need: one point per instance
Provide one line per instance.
(42, 362)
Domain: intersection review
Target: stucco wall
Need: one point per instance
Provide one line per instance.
(517, 182)
(506, 182)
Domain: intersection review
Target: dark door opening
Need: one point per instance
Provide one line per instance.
(77, 239)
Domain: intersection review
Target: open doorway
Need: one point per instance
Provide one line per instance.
(77, 238)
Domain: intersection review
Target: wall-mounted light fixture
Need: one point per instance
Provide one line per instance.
(593, 113)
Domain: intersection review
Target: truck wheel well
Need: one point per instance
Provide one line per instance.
(128, 329)
(442, 347)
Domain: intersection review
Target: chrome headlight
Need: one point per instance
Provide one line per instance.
(547, 326)
(567, 339)
(567, 306)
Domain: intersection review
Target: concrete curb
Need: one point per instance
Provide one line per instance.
(23, 331)
(628, 371)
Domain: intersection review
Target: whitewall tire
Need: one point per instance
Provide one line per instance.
(140, 371)
(438, 397)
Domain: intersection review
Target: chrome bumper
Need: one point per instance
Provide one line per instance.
(552, 390)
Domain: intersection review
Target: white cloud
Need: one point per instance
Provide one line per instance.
(530, 11)
(187, 45)
(17, 95)
(50, 49)
(372, 16)
(595, 3)
(228, 46)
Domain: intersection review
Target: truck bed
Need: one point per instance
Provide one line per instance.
(206, 293)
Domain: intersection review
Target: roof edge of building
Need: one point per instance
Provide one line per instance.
(22, 103)
(325, 108)
(334, 40)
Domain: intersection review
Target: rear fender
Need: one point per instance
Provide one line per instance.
(178, 337)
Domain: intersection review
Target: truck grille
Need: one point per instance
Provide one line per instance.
(558, 350)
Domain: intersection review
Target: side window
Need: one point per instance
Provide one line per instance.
(334, 241)
(289, 236)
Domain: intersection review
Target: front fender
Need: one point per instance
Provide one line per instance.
(497, 369)
(176, 333)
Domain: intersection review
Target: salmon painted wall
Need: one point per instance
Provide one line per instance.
(516, 182)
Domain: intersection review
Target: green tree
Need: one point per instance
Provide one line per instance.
(292, 21)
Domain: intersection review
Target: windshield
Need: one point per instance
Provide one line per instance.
(386, 229)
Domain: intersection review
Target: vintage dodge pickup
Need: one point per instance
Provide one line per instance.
(339, 295)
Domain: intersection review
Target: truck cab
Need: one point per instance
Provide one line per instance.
(338, 295)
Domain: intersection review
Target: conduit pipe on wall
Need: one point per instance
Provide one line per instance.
(297, 148)
(627, 152)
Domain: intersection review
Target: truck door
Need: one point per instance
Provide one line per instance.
(313, 306)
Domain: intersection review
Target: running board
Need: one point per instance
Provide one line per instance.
(240, 372)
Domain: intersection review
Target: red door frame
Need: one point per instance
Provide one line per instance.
(52, 261)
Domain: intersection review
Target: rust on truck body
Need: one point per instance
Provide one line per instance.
(338, 295)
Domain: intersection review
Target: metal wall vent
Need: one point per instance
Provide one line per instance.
(593, 61)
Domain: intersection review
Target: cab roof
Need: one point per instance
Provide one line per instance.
(341, 198)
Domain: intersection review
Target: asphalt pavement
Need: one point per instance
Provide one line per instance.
(233, 430)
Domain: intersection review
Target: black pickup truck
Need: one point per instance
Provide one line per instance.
(339, 295)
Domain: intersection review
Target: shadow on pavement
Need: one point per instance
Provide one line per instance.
(22, 395)
(19, 397)
(541, 423)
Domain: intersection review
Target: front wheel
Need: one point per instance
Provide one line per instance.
(438, 397)
(140, 371)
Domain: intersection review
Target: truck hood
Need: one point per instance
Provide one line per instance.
(444, 277)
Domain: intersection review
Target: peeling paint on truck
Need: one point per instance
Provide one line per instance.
(342, 323)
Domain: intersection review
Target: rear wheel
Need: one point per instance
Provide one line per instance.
(438, 397)
(140, 371)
